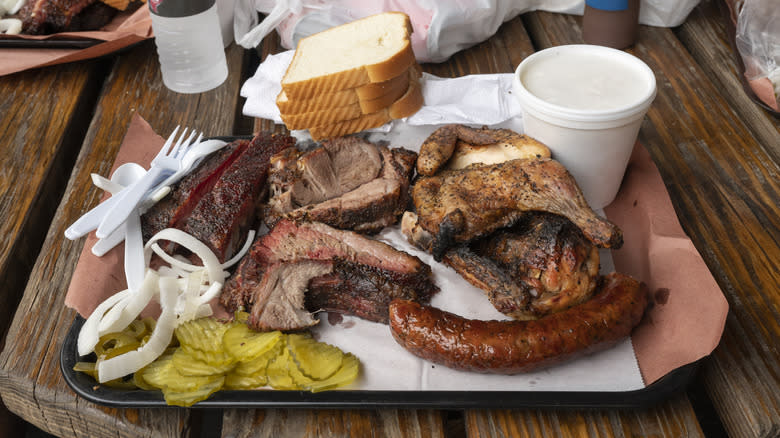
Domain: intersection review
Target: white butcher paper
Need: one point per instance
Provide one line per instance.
(475, 100)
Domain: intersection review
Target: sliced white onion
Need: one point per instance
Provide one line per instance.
(250, 237)
(183, 290)
(132, 361)
(10, 26)
(89, 334)
(209, 259)
(124, 312)
(12, 6)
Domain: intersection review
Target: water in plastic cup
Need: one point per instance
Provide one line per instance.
(189, 44)
(586, 103)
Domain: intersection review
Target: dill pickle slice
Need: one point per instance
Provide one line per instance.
(188, 398)
(158, 372)
(116, 351)
(137, 329)
(110, 341)
(259, 364)
(344, 376)
(162, 374)
(141, 383)
(204, 334)
(234, 380)
(120, 383)
(245, 344)
(301, 380)
(316, 360)
(187, 364)
(241, 317)
(216, 358)
(278, 372)
(88, 368)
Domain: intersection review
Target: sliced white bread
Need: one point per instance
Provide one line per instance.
(407, 105)
(339, 113)
(370, 97)
(372, 49)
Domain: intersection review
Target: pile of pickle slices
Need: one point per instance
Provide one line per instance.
(208, 355)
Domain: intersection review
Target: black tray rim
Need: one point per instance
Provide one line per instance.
(49, 43)
(84, 386)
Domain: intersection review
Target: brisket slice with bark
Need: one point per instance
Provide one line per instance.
(348, 183)
(301, 267)
(218, 202)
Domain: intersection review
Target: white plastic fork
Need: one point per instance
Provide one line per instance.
(166, 163)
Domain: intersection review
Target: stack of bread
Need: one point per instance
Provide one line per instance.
(352, 77)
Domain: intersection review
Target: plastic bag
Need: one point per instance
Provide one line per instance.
(440, 28)
(757, 38)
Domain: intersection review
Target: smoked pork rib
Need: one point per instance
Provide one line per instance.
(347, 182)
(218, 202)
(52, 16)
(313, 265)
(458, 206)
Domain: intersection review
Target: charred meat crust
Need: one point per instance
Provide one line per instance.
(548, 255)
(172, 210)
(363, 275)
(460, 205)
(511, 347)
(218, 202)
(225, 213)
(507, 295)
(366, 291)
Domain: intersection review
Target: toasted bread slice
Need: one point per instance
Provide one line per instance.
(370, 97)
(372, 49)
(346, 112)
(407, 105)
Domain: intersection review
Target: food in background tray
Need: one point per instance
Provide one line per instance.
(43, 17)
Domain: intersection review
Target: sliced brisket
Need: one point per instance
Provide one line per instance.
(344, 272)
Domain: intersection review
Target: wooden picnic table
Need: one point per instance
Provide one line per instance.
(717, 151)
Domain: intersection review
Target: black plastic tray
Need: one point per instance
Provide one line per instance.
(660, 390)
(10, 42)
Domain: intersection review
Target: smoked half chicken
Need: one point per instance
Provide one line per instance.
(540, 266)
(457, 206)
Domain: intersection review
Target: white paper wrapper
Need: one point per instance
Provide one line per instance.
(474, 100)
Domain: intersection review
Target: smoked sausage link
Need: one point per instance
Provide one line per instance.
(511, 347)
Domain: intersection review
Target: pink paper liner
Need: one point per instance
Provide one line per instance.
(684, 324)
(689, 313)
(126, 29)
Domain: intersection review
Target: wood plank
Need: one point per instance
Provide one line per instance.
(36, 150)
(663, 420)
(30, 378)
(706, 35)
(725, 190)
(281, 423)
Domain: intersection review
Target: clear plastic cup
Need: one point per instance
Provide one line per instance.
(586, 103)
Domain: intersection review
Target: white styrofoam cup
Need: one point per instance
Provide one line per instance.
(593, 144)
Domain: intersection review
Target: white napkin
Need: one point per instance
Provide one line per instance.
(474, 100)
